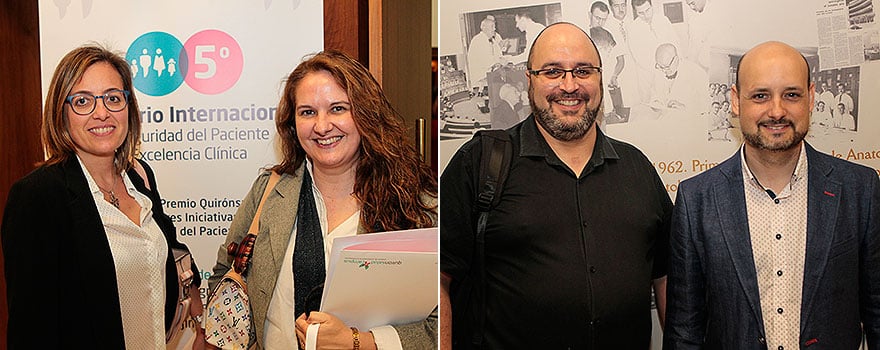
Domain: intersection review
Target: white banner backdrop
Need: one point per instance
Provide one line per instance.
(681, 122)
(477, 86)
(208, 76)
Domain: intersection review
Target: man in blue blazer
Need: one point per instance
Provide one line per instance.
(777, 247)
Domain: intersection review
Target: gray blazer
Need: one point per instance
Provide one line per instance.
(713, 300)
(276, 224)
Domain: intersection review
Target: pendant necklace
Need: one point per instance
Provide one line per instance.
(113, 200)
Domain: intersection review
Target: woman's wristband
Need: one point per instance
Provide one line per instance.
(355, 339)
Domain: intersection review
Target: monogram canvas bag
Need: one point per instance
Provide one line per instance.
(228, 323)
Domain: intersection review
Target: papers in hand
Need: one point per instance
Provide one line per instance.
(378, 279)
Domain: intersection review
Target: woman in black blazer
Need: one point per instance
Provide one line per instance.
(87, 246)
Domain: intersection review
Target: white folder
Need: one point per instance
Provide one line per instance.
(387, 278)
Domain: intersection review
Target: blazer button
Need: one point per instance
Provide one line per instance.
(762, 340)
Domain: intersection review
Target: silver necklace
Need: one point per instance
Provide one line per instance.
(113, 200)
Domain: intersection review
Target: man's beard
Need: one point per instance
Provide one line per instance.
(763, 142)
(555, 126)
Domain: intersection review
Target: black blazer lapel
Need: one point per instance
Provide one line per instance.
(731, 208)
(91, 262)
(822, 206)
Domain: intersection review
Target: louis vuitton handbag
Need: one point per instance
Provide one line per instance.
(228, 322)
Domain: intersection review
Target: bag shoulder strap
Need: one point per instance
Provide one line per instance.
(139, 169)
(242, 251)
(182, 256)
(497, 153)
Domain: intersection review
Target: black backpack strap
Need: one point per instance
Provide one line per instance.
(497, 152)
(493, 172)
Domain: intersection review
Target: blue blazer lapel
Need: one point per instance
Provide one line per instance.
(731, 208)
(822, 206)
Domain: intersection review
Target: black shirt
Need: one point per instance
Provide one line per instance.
(569, 261)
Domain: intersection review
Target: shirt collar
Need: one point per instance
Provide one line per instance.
(799, 173)
(93, 186)
(141, 199)
(533, 144)
(310, 169)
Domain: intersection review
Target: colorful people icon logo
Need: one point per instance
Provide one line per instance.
(210, 62)
(150, 51)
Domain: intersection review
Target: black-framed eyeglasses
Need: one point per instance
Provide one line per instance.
(556, 73)
(83, 103)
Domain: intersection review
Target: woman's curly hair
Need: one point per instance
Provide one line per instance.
(392, 182)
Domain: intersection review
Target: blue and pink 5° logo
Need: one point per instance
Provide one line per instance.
(210, 62)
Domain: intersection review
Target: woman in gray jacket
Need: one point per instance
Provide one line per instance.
(347, 169)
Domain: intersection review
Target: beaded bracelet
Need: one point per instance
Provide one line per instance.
(355, 338)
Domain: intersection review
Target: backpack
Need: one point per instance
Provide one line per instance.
(468, 295)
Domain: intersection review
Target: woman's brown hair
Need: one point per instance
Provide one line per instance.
(391, 180)
(57, 143)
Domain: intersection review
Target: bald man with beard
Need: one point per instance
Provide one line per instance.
(580, 233)
(778, 247)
